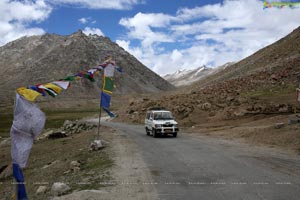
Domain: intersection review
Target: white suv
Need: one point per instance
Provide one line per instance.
(160, 122)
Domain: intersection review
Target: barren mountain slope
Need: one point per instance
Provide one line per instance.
(41, 59)
(285, 52)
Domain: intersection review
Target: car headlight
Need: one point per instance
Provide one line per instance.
(176, 125)
(157, 125)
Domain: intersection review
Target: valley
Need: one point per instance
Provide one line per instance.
(239, 126)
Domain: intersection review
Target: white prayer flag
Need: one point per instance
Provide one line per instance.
(28, 123)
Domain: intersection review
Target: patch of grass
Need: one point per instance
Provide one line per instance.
(271, 91)
(94, 168)
(5, 124)
(56, 118)
(6, 118)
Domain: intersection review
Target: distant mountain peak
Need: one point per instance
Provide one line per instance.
(188, 76)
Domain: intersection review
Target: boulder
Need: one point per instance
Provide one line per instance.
(45, 135)
(274, 77)
(283, 108)
(130, 111)
(67, 122)
(294, 120)
(60, 134)
(75, 166)
(206, 106)
(6, 171)
(59, 188)
(5, 142)
(50, 164)
(41, 190)
(96, 145)
(279, 125)
(75, 163)
(240, 112)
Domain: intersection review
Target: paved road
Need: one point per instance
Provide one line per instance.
(190, 167)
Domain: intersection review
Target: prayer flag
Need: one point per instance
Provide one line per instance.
(35, 88)
(28, 122)
(63, 84)
(69, 78)
(108, 84)
(105, 103)
(109, 70)
(105, 100)
(53, 87)
(109, 112)
(28, 94)
(48, 90)
(21, 191)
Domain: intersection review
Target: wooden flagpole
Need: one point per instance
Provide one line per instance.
(98, 134)
(100, 111)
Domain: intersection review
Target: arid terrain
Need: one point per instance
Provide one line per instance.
(243, 117)
(245, 100)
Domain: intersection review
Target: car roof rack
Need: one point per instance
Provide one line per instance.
(156, 108)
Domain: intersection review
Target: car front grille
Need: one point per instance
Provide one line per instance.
(167, 125)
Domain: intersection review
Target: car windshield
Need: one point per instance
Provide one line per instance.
(163, 116)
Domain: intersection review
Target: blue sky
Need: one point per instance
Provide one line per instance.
(165, 35)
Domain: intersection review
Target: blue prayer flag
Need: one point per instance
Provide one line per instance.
(21, 191)
(105, 100)
(109, 112)
(105, 103)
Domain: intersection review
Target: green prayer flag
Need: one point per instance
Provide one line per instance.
(108, 84)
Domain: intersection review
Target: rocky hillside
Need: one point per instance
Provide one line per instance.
(280, 54)
(261, 84)
(41, 59)
(187, 77)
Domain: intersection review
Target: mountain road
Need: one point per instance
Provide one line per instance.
(200, 167)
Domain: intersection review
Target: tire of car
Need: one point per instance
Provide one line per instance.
(175, 134)
(154, 134)
(147, 131)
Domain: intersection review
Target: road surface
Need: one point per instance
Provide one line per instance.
(199, 167)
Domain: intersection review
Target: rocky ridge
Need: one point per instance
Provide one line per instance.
(49, 57)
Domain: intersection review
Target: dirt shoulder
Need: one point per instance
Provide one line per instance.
(52, 160)
(130, 177)
(114, 172)
(256, 131)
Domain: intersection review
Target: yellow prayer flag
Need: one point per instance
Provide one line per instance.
(55, 88)
(28, 94)
(108, 59)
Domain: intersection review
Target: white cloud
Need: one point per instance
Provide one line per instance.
(83, 20)
(15, 17)
(208, 35)
(136, 51)
(124, 44)
(92, 31)
(176, 55)
(87, 20)
(141, 25)
(100, 4)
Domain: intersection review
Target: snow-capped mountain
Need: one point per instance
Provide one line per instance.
(188, 76)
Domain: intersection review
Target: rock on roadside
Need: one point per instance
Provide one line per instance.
(58, 189)
(41, 190)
